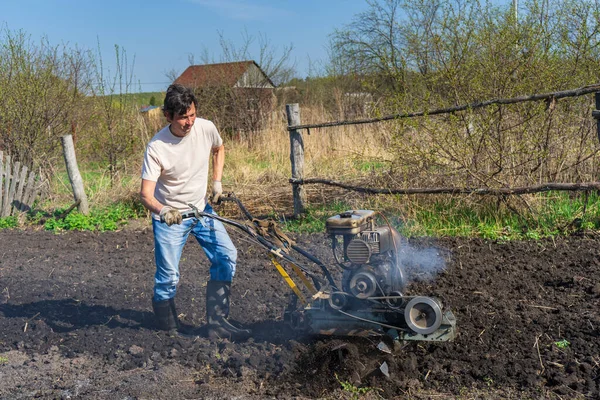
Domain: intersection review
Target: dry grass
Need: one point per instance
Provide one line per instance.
(425, 152)
(259, 172)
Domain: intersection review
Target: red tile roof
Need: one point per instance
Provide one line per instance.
(215, 74)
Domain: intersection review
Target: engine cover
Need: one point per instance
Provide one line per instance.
(360, 248)
(349, 222)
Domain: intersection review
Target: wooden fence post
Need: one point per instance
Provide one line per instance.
(13, 186)
(17, 191)
(7, 175)
(1, 179)
(74, 175)
(297, 158)
(596, 113)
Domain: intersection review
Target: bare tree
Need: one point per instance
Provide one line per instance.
(428, 54)
(118, 130)
(274, 62)
(372, 46)
(42, 89)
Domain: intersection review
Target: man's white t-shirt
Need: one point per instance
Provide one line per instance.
(180, 166)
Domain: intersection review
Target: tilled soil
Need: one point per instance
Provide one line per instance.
(76, 322)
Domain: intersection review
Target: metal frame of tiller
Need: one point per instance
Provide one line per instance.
(370, 301)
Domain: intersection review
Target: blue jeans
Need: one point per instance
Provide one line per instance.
(168, 246)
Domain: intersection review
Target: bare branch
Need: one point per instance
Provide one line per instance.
(546, 187)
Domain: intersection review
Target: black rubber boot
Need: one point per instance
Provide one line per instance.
(166, 315)
(217, 311)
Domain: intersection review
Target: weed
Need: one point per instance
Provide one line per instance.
(562, 344)
(355, 392)
(315, 218)
(8, 222)
(3, 360)
(105, 219)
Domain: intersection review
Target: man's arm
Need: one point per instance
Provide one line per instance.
(218, 161)
(167, 214)
(147, 196)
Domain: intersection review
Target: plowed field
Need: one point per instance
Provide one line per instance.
(76, 322)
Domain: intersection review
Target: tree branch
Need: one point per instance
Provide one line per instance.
(536, 97)
(545, 187)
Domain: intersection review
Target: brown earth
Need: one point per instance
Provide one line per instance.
(76, 322)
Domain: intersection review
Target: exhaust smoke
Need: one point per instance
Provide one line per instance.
(418, 264)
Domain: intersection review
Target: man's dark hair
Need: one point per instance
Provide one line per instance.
(179, 99)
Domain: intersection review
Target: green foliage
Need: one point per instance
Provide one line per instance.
(314, 219)
(106, 219)
(145, 98)
(9, 222)
(562, 344)
(416, 55)
(353, 391)
(117, 132)
(42, 92)
(3, 360)
(258, 163)
(368, 166)
(97, 182)
(555, 214)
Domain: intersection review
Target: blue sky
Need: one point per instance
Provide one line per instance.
(162, 35)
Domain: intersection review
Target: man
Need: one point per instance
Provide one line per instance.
(174, 175)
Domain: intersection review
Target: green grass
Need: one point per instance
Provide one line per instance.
(111, 205)
(353, 391)
(107, 218)
(144, 98)
(555, 214)
(315, 218)
(9, 222)
(366, 166)
(562, 344)
(96, 180)
(257, 163)
(542, 215)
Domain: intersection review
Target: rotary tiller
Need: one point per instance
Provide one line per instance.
(367, 298)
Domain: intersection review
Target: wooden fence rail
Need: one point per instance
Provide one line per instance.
(521, 99)
(18, 187)
(544, 187)
(295, 128)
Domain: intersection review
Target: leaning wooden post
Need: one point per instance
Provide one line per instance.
(596, 114)
(74, 175)
(297, 158)
(1, 179)
(6, 191)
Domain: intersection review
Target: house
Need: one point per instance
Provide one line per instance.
(149, 109)
(153, 117)
(241, 74)
(236, 96)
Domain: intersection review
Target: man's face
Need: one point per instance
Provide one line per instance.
(181, 125)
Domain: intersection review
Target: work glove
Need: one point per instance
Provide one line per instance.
(170, 216)
(217, 192)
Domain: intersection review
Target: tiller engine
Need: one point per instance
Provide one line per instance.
(371, 299)
(367, 298)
